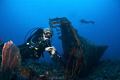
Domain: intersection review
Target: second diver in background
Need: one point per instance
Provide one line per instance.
(86, 22)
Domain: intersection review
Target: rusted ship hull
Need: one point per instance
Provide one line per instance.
(80, 54)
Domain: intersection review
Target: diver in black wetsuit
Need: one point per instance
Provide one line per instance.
(37, 44)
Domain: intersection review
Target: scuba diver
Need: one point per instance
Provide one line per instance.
(37, 43)
(87, 22)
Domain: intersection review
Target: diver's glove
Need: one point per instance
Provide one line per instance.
(55, 54)
(53, 51)
(50, 48)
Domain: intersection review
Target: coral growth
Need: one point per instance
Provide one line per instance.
(10, 60)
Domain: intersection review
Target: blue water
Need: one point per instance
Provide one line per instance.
(17, 17)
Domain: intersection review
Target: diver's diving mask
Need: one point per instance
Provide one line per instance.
(48, 34)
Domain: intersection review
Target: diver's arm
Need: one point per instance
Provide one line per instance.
(51, 50)
(48, 47)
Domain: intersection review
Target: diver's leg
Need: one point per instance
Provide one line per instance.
(92, 22)
(1, 45)
(24, 51)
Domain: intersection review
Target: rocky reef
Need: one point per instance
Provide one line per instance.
(104, 70)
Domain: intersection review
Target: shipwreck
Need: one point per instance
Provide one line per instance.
(80, 54)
